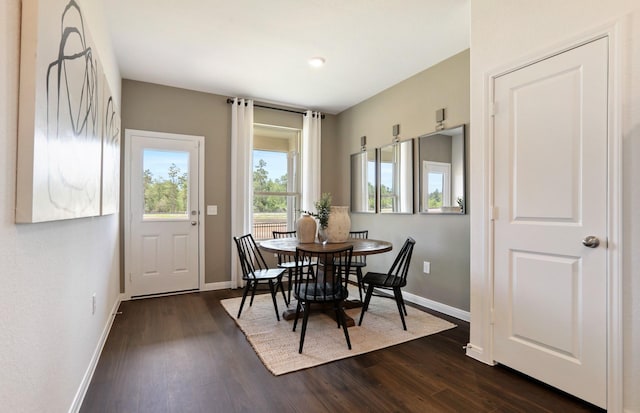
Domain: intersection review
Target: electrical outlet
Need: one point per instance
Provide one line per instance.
(426, 268)
(93, 304)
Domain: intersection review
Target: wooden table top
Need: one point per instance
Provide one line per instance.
(360, 246)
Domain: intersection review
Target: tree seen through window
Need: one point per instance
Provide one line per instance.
(166, 196)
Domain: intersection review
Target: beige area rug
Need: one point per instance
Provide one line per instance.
(277, 345)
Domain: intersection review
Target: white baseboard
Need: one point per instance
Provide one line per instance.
(436, 306)
(88, 375)
(433, 305)
(223, 285)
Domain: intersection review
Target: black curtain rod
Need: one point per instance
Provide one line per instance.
(256, 105)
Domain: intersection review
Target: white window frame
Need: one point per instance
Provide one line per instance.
(293, 193)
(443, 168)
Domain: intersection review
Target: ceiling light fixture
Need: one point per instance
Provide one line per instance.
(316, 61)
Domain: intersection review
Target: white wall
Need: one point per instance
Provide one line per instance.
(49, 271)
(503, 31)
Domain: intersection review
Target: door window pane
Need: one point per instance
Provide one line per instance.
(166, 184)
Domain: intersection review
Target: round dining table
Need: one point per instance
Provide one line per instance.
(361, 246)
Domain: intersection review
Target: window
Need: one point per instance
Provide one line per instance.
(276, 193)
(166, 181)
(437, 177)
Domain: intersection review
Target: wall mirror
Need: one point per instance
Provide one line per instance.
(363, 181)
(442, 171)
(395, 169)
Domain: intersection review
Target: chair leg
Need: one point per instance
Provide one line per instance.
(253, 292)
(404, 307)
(304, 326)
(295, 321)
(289, 286)
(340, 313)
(272, 288)
(284, 295)
(365, 306)
(399, 301)
(244, 296)
(360, 286)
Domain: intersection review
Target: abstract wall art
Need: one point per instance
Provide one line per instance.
(62, 118)
(110, 153)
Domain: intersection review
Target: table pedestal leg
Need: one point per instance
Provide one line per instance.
(290, 313)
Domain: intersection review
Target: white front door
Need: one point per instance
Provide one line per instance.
(163, 204)
(550, 180)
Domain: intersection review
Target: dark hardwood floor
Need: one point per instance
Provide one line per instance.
(183, 353)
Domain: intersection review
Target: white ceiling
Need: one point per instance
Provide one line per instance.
(259, 48)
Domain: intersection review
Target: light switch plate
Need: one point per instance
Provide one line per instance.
(212, 209)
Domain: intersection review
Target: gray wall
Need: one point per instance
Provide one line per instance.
(439, 149)
(441, 239)
(159, 108)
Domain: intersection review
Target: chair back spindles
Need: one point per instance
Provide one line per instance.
(255, 271)
(251, 258)
(358, 262)
(359, 259)
(288, 261)
(334, 279)
(393, 280)
(327, 285)
(284, 258)
(397, 274)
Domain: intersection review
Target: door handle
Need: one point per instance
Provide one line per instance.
(591, 241)
(194, 223)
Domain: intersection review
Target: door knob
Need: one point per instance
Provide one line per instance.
(591, 241)
(194, 223)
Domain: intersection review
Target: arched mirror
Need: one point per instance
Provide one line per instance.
(442, 171)
(395, 168)
(363, 182)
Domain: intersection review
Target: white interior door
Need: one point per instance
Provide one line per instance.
(163, 203)
(550, 298)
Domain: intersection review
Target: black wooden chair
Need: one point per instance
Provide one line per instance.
(393, 280)
(288, 262)
(256, 271)
(329, 286)
(358, 262)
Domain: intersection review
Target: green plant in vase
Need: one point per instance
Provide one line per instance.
(323, 209)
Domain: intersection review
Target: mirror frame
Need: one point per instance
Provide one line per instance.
(408, 173)
(357, 160)
(422, 145)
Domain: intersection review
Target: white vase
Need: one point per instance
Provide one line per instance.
(339, 224)
(306, 229)
(322, 236)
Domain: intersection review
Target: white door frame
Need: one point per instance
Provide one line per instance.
(127, 202)
(482, 265)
